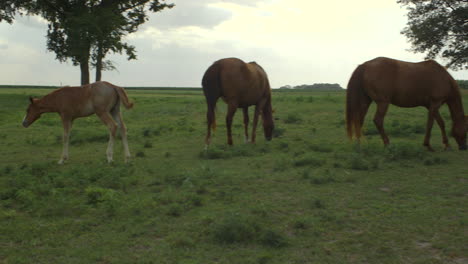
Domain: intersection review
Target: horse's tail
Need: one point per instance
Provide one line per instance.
(357, 103)
(211, 84)
(123, 96)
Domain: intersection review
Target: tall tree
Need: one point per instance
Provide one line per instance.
(439, 28)
(84, 31)
(115, 20)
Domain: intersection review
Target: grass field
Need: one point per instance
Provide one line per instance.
(308, 196)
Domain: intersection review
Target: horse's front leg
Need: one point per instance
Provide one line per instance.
(112, 126)
(441, 124)
(230, 114)
(379, 121)
(246, 124)
(67, 124)
(255, 122)
(430, 122)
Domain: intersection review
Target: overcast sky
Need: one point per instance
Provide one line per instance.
(296, 42)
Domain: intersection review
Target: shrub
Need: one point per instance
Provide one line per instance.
(320, 148)
(278, 132)
(292, 119)
(309, 160)
(235, 229)
(272, 239)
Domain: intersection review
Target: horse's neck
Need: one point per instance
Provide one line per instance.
(49, 102)
(456, 109)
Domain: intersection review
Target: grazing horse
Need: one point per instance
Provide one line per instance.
(240, 85)
(404, 84)
(100, 98)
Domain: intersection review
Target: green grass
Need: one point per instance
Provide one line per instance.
(308, 196)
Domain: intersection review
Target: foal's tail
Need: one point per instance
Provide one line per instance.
(211, 84)
(123, 96)
(357, 103)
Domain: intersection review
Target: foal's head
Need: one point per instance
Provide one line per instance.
(33, 112)
(459, 131)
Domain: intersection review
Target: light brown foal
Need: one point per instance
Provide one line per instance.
(100, 98)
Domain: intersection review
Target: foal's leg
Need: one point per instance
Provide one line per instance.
(67, 124)
(441, 124)
(106, 118)
(379, 121)
(117, 115)
(246, 124)
(230, 114)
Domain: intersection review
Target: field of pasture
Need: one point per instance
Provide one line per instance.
(308, 196)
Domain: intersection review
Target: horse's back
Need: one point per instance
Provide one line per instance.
(237, 82)
(406, 84)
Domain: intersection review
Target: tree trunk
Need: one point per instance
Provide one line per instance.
(84, 67)
(99, 62)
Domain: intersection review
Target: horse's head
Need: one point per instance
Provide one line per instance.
(459, 131)
(32, 113)
(268, 123)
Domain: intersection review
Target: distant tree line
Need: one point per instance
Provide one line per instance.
(463, 84)
(315, 86)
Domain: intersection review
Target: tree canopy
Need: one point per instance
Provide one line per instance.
(85, 31)
(439, 28)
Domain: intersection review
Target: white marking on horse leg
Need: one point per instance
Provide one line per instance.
(110, 149)
(66, 141)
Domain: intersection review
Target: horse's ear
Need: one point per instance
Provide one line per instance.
(31, 99)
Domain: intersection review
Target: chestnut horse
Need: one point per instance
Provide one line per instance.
(100, 98)
(240, 85)
(404, 84)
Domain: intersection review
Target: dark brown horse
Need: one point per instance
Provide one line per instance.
(388, 81)
(100, 98)
(240, 85)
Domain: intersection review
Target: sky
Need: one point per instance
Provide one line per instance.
(296, 42)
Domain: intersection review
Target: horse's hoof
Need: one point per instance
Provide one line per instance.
(430, 149)
(60, 162)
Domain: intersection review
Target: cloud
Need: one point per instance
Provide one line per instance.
(296, 41)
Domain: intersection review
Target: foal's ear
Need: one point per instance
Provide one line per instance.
(31, 99)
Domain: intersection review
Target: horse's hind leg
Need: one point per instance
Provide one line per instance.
(211, 123)
(67, 124)
(230, 114)
(441, 124)
(117, 115)
(246, 124)
(379, 121)
(106, 118)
